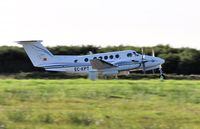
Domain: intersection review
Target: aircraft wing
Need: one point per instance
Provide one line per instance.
(100, 64)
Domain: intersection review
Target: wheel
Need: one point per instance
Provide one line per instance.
(162, 77)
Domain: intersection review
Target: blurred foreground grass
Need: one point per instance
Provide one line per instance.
(102, 104)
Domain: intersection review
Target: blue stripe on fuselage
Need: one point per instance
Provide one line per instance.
(64, 66)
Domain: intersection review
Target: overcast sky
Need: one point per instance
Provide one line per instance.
(101, 22)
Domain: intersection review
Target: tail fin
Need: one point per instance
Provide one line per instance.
(37, 53)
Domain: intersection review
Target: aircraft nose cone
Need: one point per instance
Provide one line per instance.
(161, 61)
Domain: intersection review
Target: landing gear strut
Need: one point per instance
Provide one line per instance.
(162, 76)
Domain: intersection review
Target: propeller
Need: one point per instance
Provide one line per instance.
(143, 61)
(162, 76)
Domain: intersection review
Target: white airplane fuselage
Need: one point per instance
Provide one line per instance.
(81, 64)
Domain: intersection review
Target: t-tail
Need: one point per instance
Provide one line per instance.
(38, 54)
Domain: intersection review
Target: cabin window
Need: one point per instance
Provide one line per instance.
(100, 57)
(94, 58)
(129, 55)
(117, 56)
(75, 61)
(105, 57)
(111, 56)
(86, 59)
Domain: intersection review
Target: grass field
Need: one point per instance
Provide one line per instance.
(103, 104)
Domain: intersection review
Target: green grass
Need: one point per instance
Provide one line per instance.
(103, 104)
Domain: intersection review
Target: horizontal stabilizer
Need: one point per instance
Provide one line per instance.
(29, 41)
(100, 64)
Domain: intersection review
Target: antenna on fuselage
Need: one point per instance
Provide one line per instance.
(90, 53)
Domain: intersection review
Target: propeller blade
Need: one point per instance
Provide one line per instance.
(143, 61)
(143, 67)
(142, 49)
(153, 52)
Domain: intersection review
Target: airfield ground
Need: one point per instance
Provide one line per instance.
(103, 104)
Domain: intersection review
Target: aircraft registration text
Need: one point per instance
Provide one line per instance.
(84, 68)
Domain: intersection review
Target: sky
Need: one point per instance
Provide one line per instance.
(101, 22)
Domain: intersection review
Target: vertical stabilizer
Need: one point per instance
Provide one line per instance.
(38, 54)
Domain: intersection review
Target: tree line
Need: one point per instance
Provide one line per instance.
(178, 60)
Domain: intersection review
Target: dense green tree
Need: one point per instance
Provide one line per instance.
(178, 60)
(189, 61)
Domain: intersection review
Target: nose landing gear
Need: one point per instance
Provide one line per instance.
(162, 76)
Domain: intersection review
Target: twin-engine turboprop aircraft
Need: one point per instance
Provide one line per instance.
(110, 63)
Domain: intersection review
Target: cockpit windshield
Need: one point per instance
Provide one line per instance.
(135, 53)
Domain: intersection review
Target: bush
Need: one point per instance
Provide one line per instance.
(81, 118)
(17, 116)
(46, 118)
